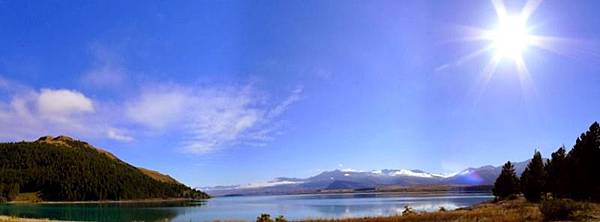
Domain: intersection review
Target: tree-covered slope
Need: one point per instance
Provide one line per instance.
(63, 169)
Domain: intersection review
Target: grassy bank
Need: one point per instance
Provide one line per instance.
(510, 210)
(16, 219)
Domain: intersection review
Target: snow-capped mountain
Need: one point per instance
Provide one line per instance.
(356, 179)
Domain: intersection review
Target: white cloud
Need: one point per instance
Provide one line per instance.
(117, 134)
(28, 114)
(211, 117)
(62, 102)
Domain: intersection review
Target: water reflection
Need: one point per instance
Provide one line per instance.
(99, 212)
(294, 207)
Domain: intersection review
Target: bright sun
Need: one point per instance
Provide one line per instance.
(510, 38)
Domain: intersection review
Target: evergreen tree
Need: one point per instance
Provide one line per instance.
(584, 165)
(532, 179)
(507, 183)
(557, 176)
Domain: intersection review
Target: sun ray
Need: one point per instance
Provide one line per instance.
(530, 8)
(499, 7)
(466, 58)
(568, 47)
(487, 74)
(473, 34)
(525, 78)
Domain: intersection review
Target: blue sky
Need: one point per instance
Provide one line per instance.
(227, 92)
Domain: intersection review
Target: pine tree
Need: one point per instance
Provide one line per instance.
(532, 179)
(557, 176)
(507, 183)
(584, 165)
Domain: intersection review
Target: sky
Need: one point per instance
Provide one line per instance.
(230, 92)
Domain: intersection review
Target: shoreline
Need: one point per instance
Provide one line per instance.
(4, 218)
(506, 210)
(108, 201)
(416, 193)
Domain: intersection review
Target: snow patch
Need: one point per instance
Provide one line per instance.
(349, 170)
(405, 172)
(268, 184)
(379, 172)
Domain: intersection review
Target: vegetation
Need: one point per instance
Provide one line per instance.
(583, 165)
(507, 183)
(559, 209)
(510, 210)
(532, 179)
(575, 175)
(71, 170)
(15, 219)
(506, 210)
(267, 218)
(557, 182)
(408, 211)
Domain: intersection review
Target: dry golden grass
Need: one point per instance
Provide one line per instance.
(589, 212)
(514, 210)
(158, 176)
(16, 219)
(506, 211)
(32, 197)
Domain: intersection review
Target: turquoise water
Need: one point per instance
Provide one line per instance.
(249, 207)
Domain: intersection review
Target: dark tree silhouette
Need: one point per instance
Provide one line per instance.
(584, 165)
(557, 176)
(507, 183)
(532, 179)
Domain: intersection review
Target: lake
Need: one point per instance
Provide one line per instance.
(249, 207)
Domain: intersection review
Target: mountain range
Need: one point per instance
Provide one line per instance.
(347, 179)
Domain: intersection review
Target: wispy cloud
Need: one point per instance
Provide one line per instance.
(292, 98)
(118, 134)
(212, 117)
(204, 118)
(107, 69)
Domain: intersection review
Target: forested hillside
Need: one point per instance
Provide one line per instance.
(63, 169)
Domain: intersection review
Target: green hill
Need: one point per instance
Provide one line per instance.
(64, 169)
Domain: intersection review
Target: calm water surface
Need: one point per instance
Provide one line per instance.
(249, 207)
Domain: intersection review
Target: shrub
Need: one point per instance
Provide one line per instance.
(264, 218)
(280, 219)
(407, 211)
(558, 209)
